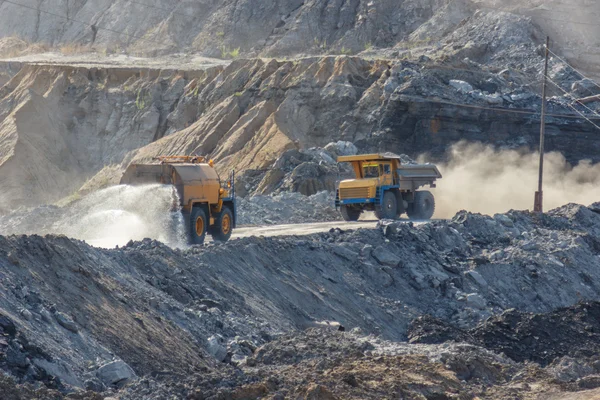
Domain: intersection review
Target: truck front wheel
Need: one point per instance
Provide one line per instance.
(388, 208)
(223, 227)
(349, 213)
(197, 226)
(423, 206)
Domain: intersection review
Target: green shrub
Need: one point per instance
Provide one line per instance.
(227, 53)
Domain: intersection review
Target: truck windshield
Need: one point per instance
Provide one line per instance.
(371, 170)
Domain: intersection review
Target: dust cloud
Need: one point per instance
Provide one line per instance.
(480, 179)
(107, 218)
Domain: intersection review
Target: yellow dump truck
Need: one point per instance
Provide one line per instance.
(388, 187)
(207, 203)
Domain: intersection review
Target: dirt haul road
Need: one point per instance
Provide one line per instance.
(305, 229)
(112, 217)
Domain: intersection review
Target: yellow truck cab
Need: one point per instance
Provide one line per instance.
(388, 187)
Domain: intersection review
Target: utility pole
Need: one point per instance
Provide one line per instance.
(538, 205)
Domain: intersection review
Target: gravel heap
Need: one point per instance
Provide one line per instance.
(228, 320)
(287, 208)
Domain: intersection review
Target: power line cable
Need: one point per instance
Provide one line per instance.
(573, 107)
(573, 68)
(171, 11)
(569, 22)
(81, 22)
(526, 112)
(546, 18)
(498, 109)
(572, 97)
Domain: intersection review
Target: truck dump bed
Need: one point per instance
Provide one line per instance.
(193, 181)
(414, 176)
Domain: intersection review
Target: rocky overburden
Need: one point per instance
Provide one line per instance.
(112, 315)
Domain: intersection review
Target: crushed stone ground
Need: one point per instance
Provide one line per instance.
(175, 316)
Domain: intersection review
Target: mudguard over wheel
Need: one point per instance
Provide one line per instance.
(197, 226)
(423, 206)
(388, 208)
(349, 213)
(223, 227)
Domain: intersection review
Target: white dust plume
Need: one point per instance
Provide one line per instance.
(107, 218)
(478, 178)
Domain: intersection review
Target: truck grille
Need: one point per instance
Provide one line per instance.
(354, 193)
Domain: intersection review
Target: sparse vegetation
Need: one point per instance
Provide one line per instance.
(368, 46)
(193, 89)
(235, 53)
(142, 99)
(321, 45)
(228, 53)
(345, 51)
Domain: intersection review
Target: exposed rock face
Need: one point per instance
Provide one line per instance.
(230, 320)
(263, 26)
(61, 125)
(276, 27)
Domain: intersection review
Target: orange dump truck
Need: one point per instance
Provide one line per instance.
(206, 202)
(388, 187)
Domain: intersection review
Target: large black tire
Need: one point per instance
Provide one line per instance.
(388, 208)
(400, 202)
(223, 227)
(423, 206)
(197, 226)
(350, 214)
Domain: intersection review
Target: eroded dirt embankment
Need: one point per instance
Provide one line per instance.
(63, 126)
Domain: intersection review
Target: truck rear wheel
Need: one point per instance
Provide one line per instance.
(197, 226)
(223, 227)
(349, 213)
(423, 206)
(388, 208)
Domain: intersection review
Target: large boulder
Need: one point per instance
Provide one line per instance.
(216, 349)
(115, 372)
(585, 87)
(342, 148)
